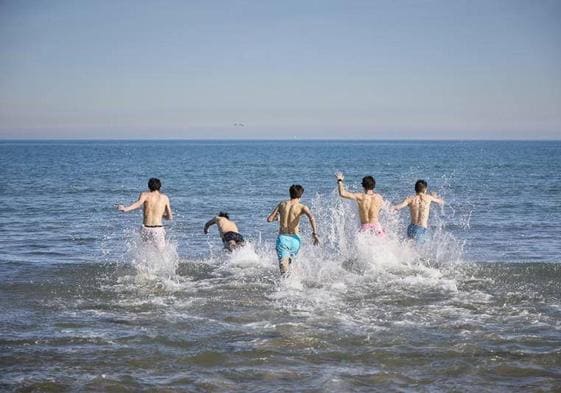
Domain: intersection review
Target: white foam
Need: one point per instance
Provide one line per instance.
(346, 265)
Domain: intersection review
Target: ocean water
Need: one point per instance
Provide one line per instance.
(84, 306)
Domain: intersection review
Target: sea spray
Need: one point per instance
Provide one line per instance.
(152, 266)
(348, 260)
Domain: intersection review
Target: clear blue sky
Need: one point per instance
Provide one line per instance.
(304, 69)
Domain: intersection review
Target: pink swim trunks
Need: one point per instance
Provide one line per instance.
(373, 228)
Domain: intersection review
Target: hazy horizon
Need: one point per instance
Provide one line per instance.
(467, 70)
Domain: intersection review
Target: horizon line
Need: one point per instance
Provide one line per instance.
(147, 139)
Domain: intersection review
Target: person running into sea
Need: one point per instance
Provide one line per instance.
(156, 206)
(228, 231)
(419, 207)
(369, 203)
(288, 213)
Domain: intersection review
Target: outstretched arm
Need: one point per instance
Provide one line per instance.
(341, 187)
(136, 205)
(400, 206)
(274, 216)
(436, 198)
(312, 220)
(208, 224)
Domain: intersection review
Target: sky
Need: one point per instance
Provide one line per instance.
(393, 69)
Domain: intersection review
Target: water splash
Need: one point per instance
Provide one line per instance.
(152, 266)
(348, 262)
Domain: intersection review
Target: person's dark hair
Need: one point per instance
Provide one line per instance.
(368, 183)
(421, 186)
(224, 214)
(154, 184)
(296, 191)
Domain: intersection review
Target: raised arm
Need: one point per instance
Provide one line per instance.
(208, 224)
(312, 220)
(403, 204)
(167, 212)
(136, 205)
(274, 216)
(436, 198)
(341, 187)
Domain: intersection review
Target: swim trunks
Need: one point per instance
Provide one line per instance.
(373, 228)
(417, 232)
(232, 236)
(287, 246)
(154, 234)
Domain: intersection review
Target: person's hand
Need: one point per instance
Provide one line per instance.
(205, 231)
(121, 208)
(315, 238)
(434, 194)
(339, 176)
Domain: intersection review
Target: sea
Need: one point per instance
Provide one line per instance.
(85, 306)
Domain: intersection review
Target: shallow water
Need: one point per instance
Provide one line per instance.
(232, 325)
(86, 307)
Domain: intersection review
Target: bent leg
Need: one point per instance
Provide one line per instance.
(232, 245)
(287, 247)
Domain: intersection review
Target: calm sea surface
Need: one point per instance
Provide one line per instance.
(84, 306)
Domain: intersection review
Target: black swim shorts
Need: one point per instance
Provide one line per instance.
(229, 236)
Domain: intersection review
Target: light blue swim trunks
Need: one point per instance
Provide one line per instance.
(417, 233)
(287, 246)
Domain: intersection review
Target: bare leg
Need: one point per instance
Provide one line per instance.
(228, 246)
(284, 264)
(232, 245)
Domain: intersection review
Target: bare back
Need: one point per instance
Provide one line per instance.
(419, 207)
(225, 225)
(290, 212)
(154, 207)
(369, 206)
